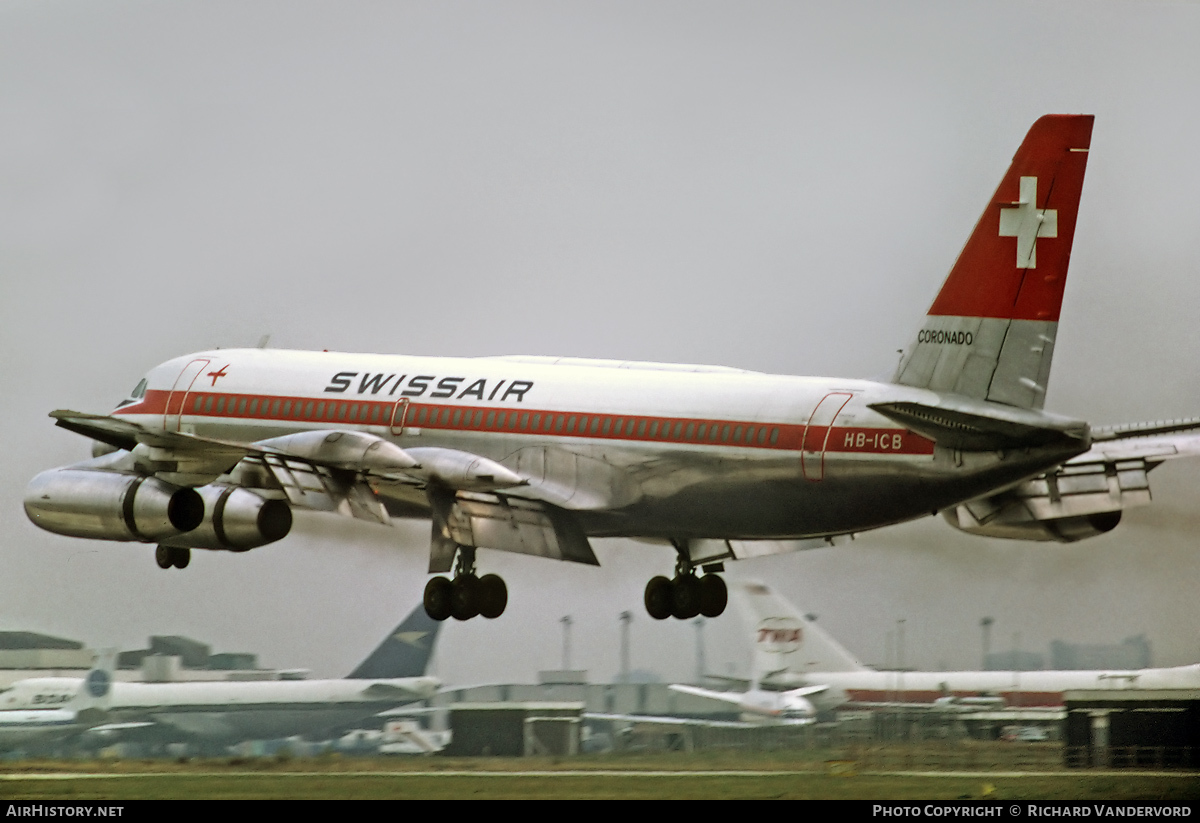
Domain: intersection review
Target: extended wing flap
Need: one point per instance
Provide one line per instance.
(309, 486)
(511, 524)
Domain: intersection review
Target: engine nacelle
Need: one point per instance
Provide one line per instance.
(236, 519)
(107, 505)
(1060, 529)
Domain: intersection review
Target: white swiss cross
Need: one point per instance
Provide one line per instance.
(1027, 223)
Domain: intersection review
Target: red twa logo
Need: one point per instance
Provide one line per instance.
(780, 635)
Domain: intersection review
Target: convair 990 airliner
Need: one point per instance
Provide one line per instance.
(536, 455)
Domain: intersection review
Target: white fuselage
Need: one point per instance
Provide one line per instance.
(1028, 689)
(36, 725)
(232, 709)
(632, 448)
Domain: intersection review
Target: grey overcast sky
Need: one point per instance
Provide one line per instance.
(777, 186)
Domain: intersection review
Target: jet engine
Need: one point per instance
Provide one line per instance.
(235, 519)
(106, 505)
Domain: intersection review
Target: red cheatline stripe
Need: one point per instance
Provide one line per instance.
(745, 434)
(1013, 698)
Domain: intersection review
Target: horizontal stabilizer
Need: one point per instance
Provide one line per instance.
(805, 691)
(1106, 433)
(971, 426)
(726, 697)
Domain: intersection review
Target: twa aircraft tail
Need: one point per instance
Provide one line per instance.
(784, 639)
(990, 333)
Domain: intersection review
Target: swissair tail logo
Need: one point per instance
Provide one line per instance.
(1026, 222)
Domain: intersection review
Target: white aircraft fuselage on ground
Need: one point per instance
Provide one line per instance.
(792, 651)
(537, 454)
(47, 709)
(222, 711)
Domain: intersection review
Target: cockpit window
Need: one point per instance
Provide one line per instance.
(139, 391)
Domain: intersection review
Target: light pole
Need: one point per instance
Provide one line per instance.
(625, 618)
(566, 623)
(699, 624)
(986, 625)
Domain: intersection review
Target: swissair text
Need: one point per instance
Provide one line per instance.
(419, 384)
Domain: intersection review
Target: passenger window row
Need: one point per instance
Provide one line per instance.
(449, 417)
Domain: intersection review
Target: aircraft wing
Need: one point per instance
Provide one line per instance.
(419, 689)
(473, 500)
(109, 728)
(805, 691)
(656, 720)
(128, 435)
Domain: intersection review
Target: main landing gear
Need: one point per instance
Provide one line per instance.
(176, 556)
(466, 595)
(686, 595)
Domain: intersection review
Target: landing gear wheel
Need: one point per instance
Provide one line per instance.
(714, 595)
(685, 597)
(168, 556)
(438, 595)
(464, 597)
(658, 598)
(492, 596)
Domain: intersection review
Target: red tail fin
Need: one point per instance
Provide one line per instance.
(990, 332)
(1015, 263)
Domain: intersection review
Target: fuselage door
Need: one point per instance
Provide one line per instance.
(399, 414)
(817, 431)
(178, 396)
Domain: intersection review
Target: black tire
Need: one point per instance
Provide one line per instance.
(714, 595)
(658, 598)
(162, 556)
(685, 597)
(181, 556)
(464, 597)
(493, 596)
(438, 593)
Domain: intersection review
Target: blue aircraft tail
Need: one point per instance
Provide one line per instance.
(404, 653)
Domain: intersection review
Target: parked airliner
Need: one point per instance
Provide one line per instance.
(42, 710)
(222, 712)
(791, 652)
(536, 455)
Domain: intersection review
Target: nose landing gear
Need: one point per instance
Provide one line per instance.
(465, 596)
